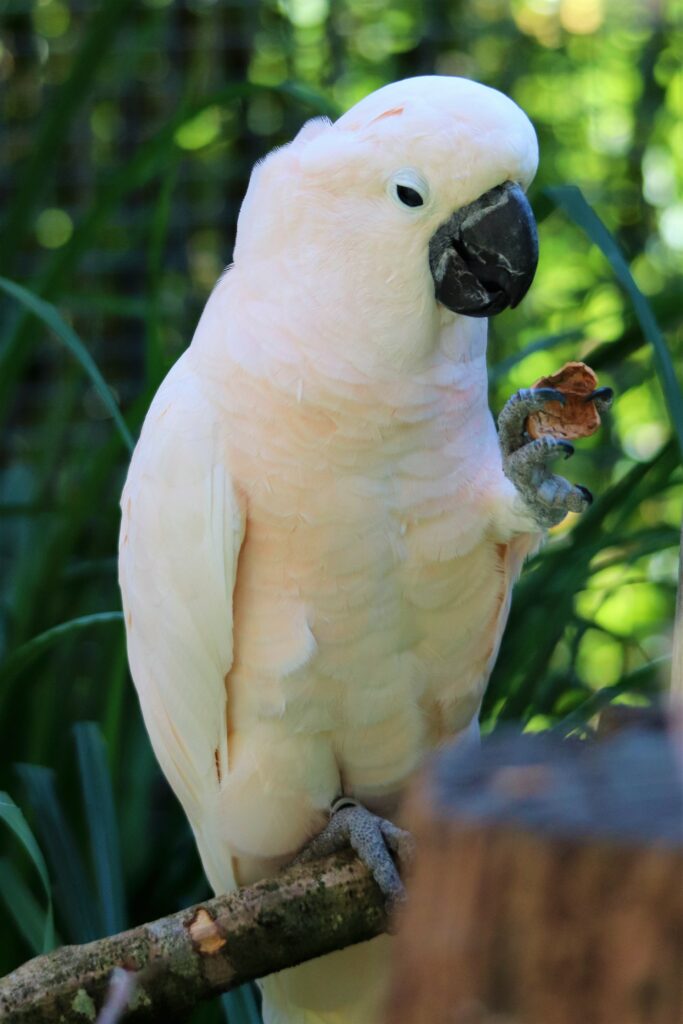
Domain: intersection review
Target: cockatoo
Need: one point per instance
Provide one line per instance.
(321, 525)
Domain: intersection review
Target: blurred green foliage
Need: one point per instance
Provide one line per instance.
(129, 132)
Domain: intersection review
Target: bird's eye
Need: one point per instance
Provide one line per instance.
(409, 196)
(407, 187)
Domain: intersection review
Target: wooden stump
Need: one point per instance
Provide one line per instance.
(548, 887)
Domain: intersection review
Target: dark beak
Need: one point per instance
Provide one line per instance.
(484, 257)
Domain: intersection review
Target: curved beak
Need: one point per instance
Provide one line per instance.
(483, 259)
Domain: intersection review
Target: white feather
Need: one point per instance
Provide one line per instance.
(318, 541)
(181, 531)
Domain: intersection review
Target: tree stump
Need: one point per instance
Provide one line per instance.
(548, 887)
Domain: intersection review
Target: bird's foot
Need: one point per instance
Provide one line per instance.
(526, 462)
(376, 841)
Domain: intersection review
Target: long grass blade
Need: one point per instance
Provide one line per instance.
(573, 202)
(23, 907)
(46, 312)
(644, 678)
(22, 656)
(72, 889)
(102, 825)
(16, 822)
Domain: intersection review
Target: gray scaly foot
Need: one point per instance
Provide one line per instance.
(373, 838)
(526, 462)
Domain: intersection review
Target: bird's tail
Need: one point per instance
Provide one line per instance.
(347, 987)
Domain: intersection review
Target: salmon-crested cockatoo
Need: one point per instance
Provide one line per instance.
(321, 524)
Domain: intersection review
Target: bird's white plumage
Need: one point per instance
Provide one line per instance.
(318, 541)
(181, 531)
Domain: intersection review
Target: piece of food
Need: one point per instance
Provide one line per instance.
(578, 416)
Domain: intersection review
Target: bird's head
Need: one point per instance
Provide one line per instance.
(412, 201)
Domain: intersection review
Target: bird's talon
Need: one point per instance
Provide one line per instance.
(373, 838)
(602, 398)
(512, 431)
(526, 460)
(600, 395)
(544, 395)
(547, 496)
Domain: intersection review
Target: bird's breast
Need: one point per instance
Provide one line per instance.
(368, 589)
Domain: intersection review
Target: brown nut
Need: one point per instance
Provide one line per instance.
(578, 417)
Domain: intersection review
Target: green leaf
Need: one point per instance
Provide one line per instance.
(72, 889)
(644, 678)
(26, 912)
(20, 657)
(102, 825)
(16, 822)
(46, 312)
(572, 201)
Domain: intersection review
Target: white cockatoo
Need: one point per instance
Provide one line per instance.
(321, 526)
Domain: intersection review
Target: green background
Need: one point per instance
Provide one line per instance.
(129, 130)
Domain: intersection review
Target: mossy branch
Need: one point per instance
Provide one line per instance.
(207, 949)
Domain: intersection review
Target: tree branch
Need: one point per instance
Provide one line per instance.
(200, 952)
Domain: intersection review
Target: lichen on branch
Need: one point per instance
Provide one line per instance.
(197, 953)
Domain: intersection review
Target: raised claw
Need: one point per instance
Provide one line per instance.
(602, 398)
(548, 395)
(371, 837)
(548, 497)
(400, 842)
(512, 418)
(526, 462)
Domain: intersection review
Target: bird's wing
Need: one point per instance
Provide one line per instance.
(182, 528)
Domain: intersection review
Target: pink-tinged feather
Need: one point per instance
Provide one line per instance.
(318, 543)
